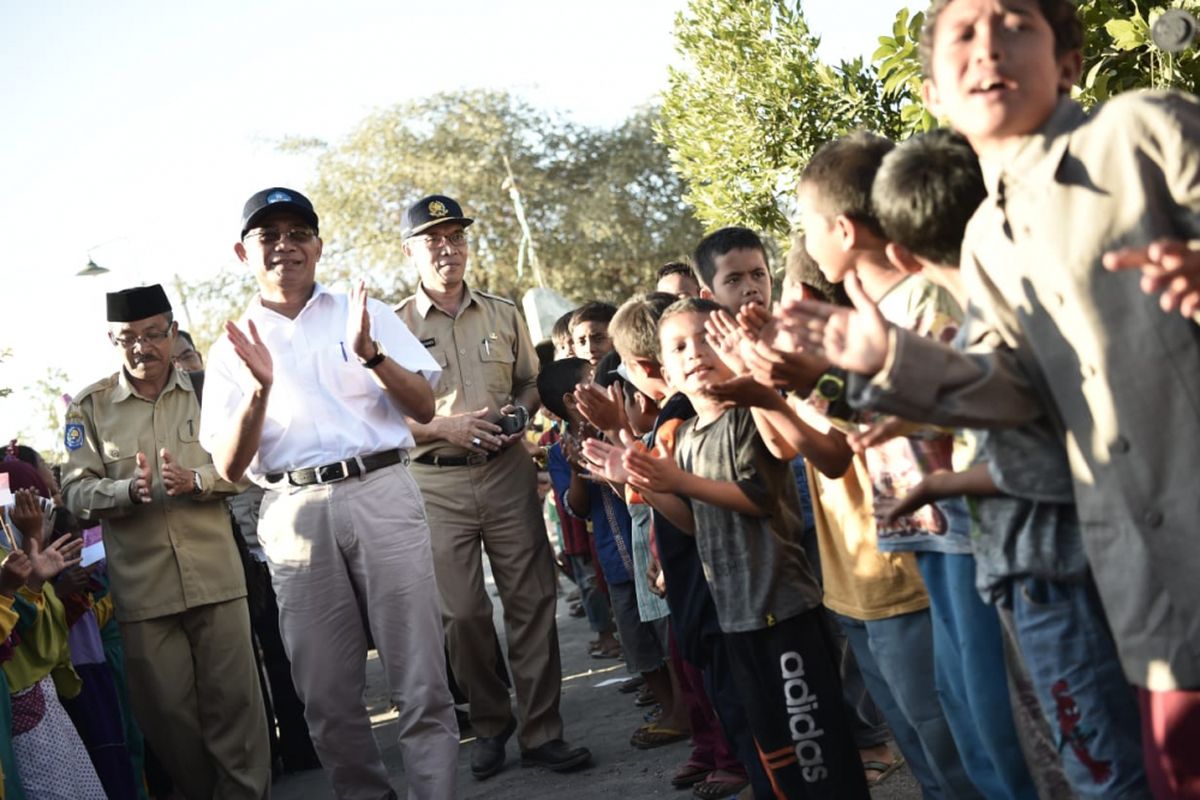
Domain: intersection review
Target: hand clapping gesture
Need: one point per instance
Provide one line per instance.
(358, 323)
(14, 572)
(853, 339)
(176, 479)
(253, 353)
(46, 561)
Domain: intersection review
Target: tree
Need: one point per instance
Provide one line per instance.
(44, 433)
(752, 101)
(751, 104)
(1118, 55)
(604, 207)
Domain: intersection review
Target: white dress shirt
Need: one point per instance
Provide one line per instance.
(324, 406)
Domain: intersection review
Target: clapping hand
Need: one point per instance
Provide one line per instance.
(604, 408)
(176, 480)
(139, 484)
(358, 323)
(728, 340)
(28, 516)
(253, 353)
(651, 470)
(605, 460)
(853, 339)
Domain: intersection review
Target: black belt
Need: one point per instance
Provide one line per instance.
(471, 460)
(340, 470)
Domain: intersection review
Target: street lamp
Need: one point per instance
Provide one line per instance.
(91, 269)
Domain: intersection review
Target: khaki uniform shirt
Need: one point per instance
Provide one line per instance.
(1060, 335)
(485, 353)
(173, 553)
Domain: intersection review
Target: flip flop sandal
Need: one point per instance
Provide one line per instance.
(632, 685)
(689, 774)
(644, 698)
(652, 736)
(885, 770)
(612, 652)
(718, 786)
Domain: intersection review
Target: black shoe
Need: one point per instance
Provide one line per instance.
(556, 755)
(487, 756)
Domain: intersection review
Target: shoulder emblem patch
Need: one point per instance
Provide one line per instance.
(73, 439)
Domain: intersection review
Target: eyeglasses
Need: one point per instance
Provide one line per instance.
(435, 241)
(274, 235)
(188, 360)
(149, 337)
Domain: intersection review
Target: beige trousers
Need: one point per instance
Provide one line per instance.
(343, 555)
(195, 692)
(495, 505)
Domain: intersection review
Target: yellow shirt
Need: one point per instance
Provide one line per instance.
(173, 553)
(860, 581)
(485, 353)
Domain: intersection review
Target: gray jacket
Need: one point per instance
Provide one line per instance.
(1050, 331)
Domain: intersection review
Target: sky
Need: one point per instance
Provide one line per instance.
(133, 131)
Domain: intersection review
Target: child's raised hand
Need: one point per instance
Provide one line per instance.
(47, 562)
(604, 408)
(853, 339)
(796, 371)
(653, 471)
(745, 391)
(726, 337)
(1169, 266)
(27, 514)
(604, 458)
(14, 572)
(752, 318)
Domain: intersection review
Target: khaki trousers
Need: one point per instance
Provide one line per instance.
(195, 692)
(496, 505)
(342, 555)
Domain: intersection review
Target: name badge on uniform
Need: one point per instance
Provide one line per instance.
(430, 342)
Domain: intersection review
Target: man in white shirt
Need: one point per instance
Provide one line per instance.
(308, 396)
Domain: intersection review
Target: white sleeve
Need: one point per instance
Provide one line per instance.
(401, 344)
(222, 392)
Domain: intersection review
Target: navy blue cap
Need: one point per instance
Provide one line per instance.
(429, 211)
(277, 198)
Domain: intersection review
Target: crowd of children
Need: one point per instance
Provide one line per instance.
(935, 491)
(998, 515)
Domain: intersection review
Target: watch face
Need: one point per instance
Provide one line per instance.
(830, 388)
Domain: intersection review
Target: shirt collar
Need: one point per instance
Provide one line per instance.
(257, 309)
(125, 390)
(425, 302)
(1035, 158)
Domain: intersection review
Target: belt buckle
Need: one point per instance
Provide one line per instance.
(342, 471)
(476, 459)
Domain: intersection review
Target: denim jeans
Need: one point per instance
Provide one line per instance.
(1072, 662)
(595, 603)
(895, 657)
(968, 656)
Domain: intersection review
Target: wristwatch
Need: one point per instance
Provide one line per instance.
(377, 359)
(832, 385)
(197, 484)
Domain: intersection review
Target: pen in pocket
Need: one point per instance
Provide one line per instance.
(343, 344)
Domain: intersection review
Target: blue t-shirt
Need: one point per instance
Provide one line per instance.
(611, 525)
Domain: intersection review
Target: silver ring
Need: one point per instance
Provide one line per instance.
(476, 441)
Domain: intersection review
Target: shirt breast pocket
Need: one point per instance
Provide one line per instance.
(497, 358)
(119, 457)
(341, 374)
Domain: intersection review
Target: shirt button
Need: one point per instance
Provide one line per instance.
(462, 351)
(1153, 518)
(1121, 445)
(466, 383)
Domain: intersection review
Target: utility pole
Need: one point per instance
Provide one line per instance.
(526, 244)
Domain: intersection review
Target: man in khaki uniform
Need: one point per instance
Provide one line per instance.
(135, 463)
(479, 487)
